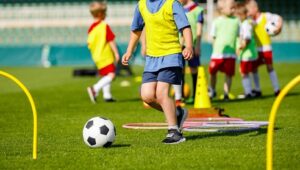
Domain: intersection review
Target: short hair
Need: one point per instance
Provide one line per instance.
(98, 7)
(241, 7)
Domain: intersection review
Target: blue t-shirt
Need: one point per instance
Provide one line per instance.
(154, 64)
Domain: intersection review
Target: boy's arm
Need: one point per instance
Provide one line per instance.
(136, 31)
(183, 26)
(115, 50)
(134, 38)
(188, 39)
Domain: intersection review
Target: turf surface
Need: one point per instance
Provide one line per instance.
(64, 107)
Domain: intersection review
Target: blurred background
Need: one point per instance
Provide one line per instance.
(53, 32)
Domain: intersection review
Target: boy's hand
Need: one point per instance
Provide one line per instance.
(277, 31)
(187, 53)
(126, 58)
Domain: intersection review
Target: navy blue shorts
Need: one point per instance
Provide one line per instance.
(172, 75)
(194, 62)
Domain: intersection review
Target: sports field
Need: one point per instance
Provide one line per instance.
(64, 107)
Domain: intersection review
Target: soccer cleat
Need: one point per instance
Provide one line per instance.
(110, 100)
(173, 137)
(226, 97)
(245, 96)
(92, 94)
(212, 93)
(256, 93)
(277, 93)
(182, 114)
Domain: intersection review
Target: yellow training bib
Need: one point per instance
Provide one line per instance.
(262, 38)
(100, 50)
(161, 31)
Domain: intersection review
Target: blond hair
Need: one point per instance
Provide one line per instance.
(241, 8)
(98, 9)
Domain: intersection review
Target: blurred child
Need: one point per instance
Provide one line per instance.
(263, 41)
(162, 19)
(225, 31)
(246, 51)
(103, 50)
(194, 14)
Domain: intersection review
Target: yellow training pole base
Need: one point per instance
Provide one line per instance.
(21, 85)
(270, 134)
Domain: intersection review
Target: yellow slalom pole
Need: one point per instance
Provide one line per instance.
(270, 134)
(21, 85)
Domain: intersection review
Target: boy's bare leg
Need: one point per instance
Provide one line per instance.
(148, 94)
(227, 84)
(167, 104)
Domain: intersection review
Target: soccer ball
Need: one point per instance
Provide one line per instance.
(99, 132)
(271, 27)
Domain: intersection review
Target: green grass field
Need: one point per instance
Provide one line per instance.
(64, 107)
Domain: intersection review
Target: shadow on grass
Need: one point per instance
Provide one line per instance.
(222, 134)
(128, 100)
(119, 146)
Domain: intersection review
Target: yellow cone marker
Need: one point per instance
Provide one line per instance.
(21, 85)
(202, 100)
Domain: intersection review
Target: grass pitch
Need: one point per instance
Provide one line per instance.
(63, 108)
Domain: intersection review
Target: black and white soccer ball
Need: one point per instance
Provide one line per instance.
(271, 27)
(99, 132)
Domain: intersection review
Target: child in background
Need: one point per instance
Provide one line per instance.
(162, 19)
(104, 52)
(263, 41)
(194, 14)
(225, 31)
(246, 50)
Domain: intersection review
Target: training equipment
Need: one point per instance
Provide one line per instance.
(271, 27)
(202, 105)
(99, 132)
(270, 133)
(205, 125)
(26, 91)
(211, 127)
(202, 100)
(186, 91)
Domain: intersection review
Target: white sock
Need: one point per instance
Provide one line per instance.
(101, 83)
(106, 91)
(247, 85)
(256, 81)
(178, 93)
(173, 127)
(274, 80)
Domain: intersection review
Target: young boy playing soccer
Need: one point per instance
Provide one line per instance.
(247, 51)
(225, 31)
(263, 40)
(103, 50)
(162, 19)
(195, 17)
